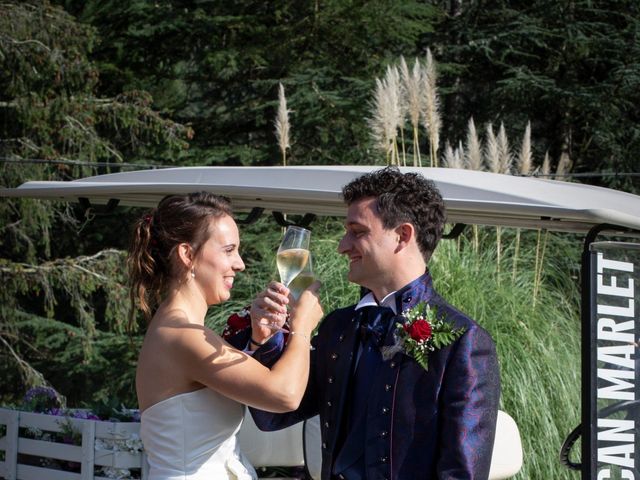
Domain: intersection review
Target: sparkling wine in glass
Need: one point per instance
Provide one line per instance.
(292, 257)
(303, 280)
(293, 253)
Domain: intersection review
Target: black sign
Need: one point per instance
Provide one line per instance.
(615, 361)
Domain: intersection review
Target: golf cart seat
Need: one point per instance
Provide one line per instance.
(300, 444)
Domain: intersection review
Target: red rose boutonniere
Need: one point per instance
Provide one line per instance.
(422, 332)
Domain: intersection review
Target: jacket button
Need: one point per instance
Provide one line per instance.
(387, 387)
(326, 424)
(324, 445)
(341, 338)
(384, 434)
(334, 356)
(385, 410)
(330, 380)
(329, 403)
(392, 364)
(384, 459)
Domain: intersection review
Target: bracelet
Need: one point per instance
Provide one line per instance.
(301, 334)
(253, 342)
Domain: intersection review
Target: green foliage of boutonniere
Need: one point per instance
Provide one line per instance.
(423, 332)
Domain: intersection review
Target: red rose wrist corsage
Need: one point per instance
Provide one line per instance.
(237, 323)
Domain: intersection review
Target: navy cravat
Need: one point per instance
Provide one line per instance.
(374, 325)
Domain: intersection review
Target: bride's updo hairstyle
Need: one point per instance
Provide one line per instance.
(177, 219)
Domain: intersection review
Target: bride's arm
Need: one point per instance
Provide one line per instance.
(206, 358)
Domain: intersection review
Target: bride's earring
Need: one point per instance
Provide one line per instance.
(193, 272)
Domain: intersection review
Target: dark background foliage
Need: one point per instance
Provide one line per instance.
(572, 68)
(216, 66)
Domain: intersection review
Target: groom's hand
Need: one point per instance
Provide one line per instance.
(269, 311)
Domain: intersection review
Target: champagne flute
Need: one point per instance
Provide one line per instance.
(292, 256)
(302, 281)
(293, 253)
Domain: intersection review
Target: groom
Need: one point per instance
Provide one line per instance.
(384, 417)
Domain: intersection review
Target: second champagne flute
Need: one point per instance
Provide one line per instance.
(303, 280)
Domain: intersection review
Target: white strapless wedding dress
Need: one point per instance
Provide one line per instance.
(192, 436)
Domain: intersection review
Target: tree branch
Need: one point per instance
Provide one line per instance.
(27, 268)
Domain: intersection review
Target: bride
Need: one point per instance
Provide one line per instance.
(191, 385)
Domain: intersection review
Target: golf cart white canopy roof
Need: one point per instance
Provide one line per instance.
(471, 197)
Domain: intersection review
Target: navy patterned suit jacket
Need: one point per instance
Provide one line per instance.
(435, 424)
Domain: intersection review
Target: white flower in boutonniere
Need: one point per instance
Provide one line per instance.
(424, 331)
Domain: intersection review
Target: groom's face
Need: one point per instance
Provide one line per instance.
(369, 247)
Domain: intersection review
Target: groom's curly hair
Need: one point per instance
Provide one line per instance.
(403, 197)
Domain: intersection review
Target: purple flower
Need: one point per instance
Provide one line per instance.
(84, 415)
(46, 392)
(41, 400)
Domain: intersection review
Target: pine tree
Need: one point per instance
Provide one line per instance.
(61, 299)
(571, 67)
(217, 66)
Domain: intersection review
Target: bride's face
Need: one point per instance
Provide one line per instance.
(218, 261)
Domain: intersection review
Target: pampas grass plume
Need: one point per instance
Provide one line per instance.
(448, 155)
(564, 165)
(453, 158)
(386, 114)
(474, 150)
(396, 109)
(377, 120)
(282, 124)
(412, 101)
(504, 155)
(459, 155)
(492, 153)
(431, 107)
(546, 165)
(525, 162)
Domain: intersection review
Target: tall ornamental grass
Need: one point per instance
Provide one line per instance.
(538, 343)
(538, 346)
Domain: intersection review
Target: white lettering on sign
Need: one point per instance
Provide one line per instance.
(618, 389)
(605, 474)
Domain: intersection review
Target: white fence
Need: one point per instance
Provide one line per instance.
(35, 448)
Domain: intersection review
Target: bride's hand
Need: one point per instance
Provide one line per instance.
(307, 311)
(269, 311)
